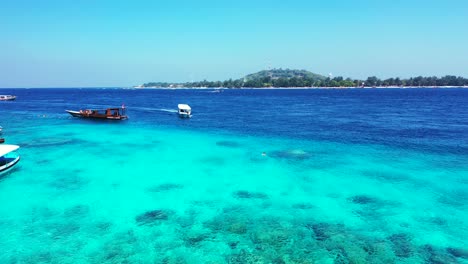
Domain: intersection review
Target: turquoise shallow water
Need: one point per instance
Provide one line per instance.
(146, 192)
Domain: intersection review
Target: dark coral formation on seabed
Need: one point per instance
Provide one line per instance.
(248, 238)
(249, 195)
(165, 187)
(228, 144)
(244, 235)
(152, 217)
(239, 234)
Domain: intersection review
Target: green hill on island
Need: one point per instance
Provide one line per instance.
(265, 78)
(282, 78)
(287, 73)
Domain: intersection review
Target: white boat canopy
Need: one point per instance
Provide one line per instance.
(184, 107)
(5, 149)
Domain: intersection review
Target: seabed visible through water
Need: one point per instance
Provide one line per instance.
(143, 192)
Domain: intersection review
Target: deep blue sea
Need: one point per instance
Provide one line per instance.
(347, 176)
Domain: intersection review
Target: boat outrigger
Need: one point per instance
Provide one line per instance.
(109, 113)
(184, 110)
(8, 157)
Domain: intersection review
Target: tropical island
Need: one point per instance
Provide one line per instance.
(287, 78)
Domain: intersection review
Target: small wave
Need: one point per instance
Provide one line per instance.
(168, 110)
(150, 109)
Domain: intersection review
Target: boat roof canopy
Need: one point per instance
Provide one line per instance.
(5, 149)
(184, 107)
(104, 109)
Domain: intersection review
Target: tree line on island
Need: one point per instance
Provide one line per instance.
(302, 78)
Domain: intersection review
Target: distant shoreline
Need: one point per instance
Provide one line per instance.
(244, 88)
(299, 88)
(294, 78)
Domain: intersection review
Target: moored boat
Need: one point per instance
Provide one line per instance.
(7, 97)
(8, 157)
(109, 113)
(184, 110)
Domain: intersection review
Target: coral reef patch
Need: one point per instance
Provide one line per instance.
(153, 217)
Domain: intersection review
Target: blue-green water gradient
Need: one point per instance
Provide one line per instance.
(355, 176)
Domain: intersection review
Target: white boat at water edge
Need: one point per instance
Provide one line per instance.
(8, 157)
(7, 97)
(184, 110)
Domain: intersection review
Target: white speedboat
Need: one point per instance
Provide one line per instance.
(184, 110)
(7, 97)
(8, 157)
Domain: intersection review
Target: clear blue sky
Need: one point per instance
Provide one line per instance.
(70, 43)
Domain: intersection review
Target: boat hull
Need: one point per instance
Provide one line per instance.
(107, 117)
(7, 97)
(184, 115)
(74, 113)
(9, 164)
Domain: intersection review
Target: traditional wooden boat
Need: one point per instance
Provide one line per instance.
(109, 113)
(8, 157)
(7, 97)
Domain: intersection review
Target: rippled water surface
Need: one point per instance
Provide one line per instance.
(349, 176)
